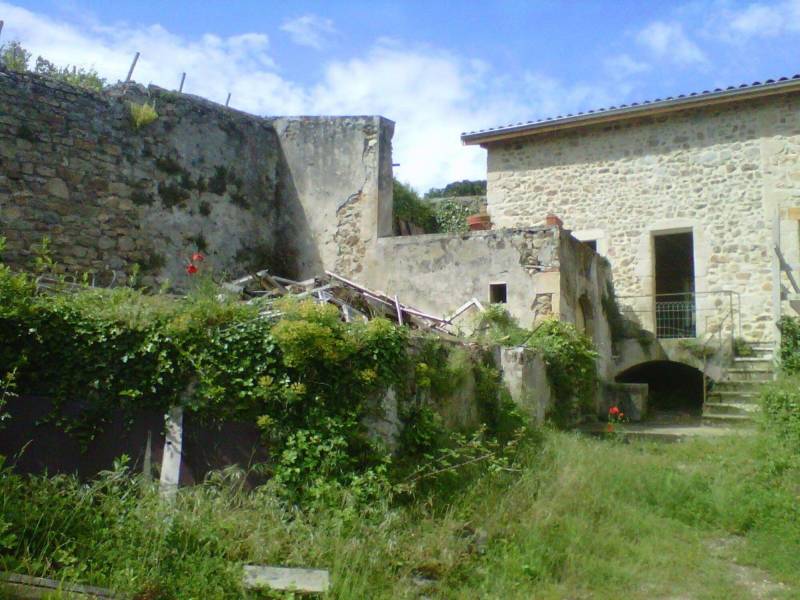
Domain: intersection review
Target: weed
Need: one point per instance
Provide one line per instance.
(142, 114)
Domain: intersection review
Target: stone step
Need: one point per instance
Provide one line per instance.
(733, 397)
(749, 364)
(729, 420)
(746, 386)
(745, 362)
(763, 347)
(729, 408)
(738, 374)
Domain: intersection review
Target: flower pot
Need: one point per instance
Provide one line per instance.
(609, 428)
(479, 222)
(552, 219)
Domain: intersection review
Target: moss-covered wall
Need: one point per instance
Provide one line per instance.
(200, 177)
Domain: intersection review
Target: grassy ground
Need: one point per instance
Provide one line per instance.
(585, 518)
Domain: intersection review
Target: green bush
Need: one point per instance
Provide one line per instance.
(780, 403)
(451, 217)
(790, 344)
(410, 208)
(17, 58)
(569, 355)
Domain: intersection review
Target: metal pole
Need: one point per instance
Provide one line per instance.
(183, 78)
(228, 100)
(133, 65)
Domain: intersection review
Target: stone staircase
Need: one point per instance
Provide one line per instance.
(733, 401)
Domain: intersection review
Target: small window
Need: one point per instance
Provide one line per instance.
(498, 293)
(591, 243)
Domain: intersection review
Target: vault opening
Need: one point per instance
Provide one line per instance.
(672, 386)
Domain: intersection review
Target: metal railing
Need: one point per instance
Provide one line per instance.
(677, 315)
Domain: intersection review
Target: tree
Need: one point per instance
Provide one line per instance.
(409, 207)
(16, 58)
(464, 187)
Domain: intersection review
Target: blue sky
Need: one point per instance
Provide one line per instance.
(436, 68)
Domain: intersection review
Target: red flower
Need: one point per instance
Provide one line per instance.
(191, 269)
(613, 411)
(198, 257)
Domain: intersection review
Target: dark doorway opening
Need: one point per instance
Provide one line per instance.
(674, 278)
(592, 244)
(672, 386)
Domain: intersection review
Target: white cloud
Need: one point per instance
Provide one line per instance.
(668, 41)
(622, 66)
(309, 30)
(431, 94)
(761, 20)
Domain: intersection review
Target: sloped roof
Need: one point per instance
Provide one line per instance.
(635, 109)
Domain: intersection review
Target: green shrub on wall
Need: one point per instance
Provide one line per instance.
(307, 379)
(569, 356)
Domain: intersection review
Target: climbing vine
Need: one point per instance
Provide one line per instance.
(569, 356)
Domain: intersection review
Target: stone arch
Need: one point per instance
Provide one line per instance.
(673, 385)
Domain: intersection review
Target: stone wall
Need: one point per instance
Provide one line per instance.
(249, 192)
(720, 172)
(438, 273)
(547, 273)
(338, 174)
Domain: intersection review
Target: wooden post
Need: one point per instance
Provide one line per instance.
(228, 100)
(171, 458)
(183, 78)
(133, 65)
(399, 310)
(147, 462)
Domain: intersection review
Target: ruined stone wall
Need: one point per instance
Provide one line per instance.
(295, 196)
(74, 168)
(438, 273)
(720, 172)
(339, 179)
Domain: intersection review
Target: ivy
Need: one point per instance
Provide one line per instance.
(569, 356)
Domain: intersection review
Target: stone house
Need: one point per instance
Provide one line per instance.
(693, 199)
(687, 197)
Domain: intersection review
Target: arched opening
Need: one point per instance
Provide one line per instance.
(673, 386)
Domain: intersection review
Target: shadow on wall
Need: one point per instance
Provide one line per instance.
(295, 254)
(673, 386)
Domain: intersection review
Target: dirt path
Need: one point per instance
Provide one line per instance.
(756, 582)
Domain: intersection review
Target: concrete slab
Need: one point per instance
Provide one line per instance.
(283, 578)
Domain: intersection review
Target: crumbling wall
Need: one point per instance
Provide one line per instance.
(585, 286)
(294, 195)
(438, 273)
(338, 178)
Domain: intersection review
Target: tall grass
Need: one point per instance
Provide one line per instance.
(584, 518)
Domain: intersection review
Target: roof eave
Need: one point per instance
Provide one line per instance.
(631, 112)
